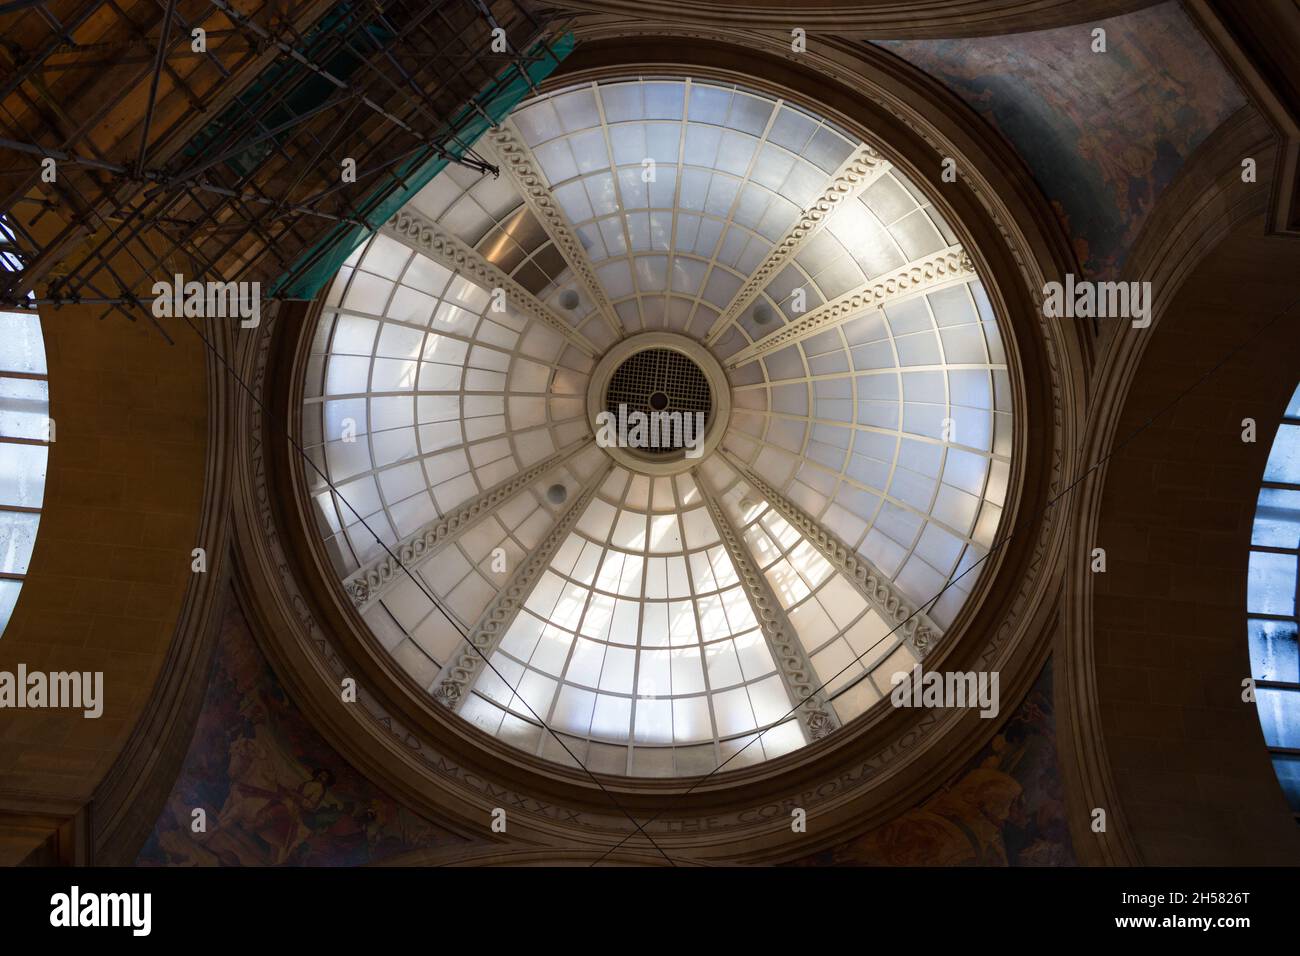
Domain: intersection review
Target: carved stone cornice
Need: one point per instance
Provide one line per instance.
(515, 159)
(428, 238)
(855, 174)
(881, 593)
(903, 19)
(453, 685)
(922, 275)
(367, 584)
(814, 713)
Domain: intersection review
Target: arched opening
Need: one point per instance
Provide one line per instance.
(1272, 605)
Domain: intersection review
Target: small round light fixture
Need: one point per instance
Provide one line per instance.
(569, 299)
(763, 314)
(746, 505)
(557, 494)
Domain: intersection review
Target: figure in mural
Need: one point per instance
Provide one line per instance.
(1005, 809)
(273, 792)
(1105, 133)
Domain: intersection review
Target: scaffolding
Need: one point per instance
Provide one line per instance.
(236, 140)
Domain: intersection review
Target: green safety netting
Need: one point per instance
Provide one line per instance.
(317, 265)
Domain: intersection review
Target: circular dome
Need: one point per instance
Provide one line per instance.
(670, 245)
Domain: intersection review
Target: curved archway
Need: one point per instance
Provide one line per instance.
(1192, 780)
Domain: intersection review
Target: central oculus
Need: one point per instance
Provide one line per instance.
(658, 402)
(666, 387)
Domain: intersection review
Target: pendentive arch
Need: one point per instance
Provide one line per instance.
(1151, 653)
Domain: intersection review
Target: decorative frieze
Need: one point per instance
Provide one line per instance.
(921, 275)
(517, 161)
(458, 676)
(881, 593)
(813, 712)
(855, 174)
(429, 238)
(367, 584)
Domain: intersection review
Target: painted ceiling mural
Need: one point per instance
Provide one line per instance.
(276, 794)
(1005, 808)
(273, 791)
(1103, 133)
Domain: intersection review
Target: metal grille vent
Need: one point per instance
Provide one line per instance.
(659, 380)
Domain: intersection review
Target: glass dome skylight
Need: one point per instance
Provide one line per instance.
(446, 414)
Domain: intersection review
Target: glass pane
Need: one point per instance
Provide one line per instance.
(17, 537)
(21, 347)
(1279, 715)
(1284, 459)
(1293, 408)
(24, 408)
(1277, 519)
(8, 598)
(1270, 587)
(1273, 651)
(22, 475)
(1287, 769)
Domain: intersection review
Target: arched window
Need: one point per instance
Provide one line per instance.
(25, 433)
(1272, 603)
